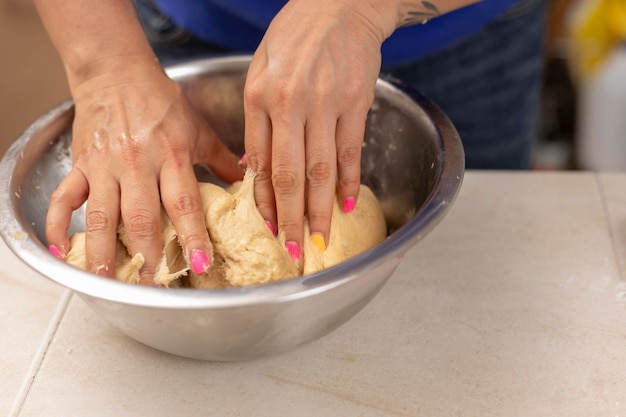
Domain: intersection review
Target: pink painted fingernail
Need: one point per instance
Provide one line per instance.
(55, 251)
(348, 205)
(242, 161)
(269, 226)
(293, 249)
(199, 262)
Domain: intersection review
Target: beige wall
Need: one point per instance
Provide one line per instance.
(31, 75)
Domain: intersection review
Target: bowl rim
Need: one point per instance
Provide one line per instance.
(26, 246)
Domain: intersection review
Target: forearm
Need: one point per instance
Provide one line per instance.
(94, 37)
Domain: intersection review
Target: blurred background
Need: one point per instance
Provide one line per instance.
(32, 80)
(583, 107)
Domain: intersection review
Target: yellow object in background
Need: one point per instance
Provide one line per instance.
(596, 29)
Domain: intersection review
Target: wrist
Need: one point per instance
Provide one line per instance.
(383, 15)
(117, 70)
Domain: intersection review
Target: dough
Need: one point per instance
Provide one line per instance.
(244, 250)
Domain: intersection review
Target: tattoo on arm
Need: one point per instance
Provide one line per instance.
(428, 11)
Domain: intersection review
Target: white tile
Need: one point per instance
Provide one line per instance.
(27, 305)
(511, 307)
(613, 188)
(93, 370)
(519, 301)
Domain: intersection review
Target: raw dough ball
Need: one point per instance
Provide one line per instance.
(350, 234)
(126, 268)
(244, 250)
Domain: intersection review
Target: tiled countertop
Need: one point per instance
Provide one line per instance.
(515, 305)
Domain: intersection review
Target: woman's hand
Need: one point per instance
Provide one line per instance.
(309, 88)
(135, 139)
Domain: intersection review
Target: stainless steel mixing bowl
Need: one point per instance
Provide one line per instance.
(412, 159)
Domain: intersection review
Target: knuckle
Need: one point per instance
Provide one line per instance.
(96, 221)
(265, 207)
(353, 92)
(356, 92)
(323, 91)
(146, 275)
(185, 204)
(130, 152)
(349, 182)
(177, 151)
(288, 226)
(319, 173)
(100, 266)
(257, 163)
(286, 97)
(349, 155)
(262, 175)
(369, 94)
(141, 224)
(368, 100)
(318, 217)
(253, 92)
(57, 196)
(265, 202)
(285, 181)
(193, 238)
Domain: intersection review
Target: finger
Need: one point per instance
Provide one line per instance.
(182, 201)
(71, 193)
(243, 162)
(212, 152)
(288, 180)
(141, 213)
(258, 158)
(321, 172)
(349, 138)
(101, 220)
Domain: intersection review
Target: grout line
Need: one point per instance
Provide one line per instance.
(40, 355)
(607, 217)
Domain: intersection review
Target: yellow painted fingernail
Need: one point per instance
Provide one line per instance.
(318, 241)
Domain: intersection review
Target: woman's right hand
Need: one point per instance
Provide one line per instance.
(135, 140)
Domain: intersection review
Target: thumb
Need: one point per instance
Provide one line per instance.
(212, 152)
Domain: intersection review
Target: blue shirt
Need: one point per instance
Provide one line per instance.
(239, 25)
